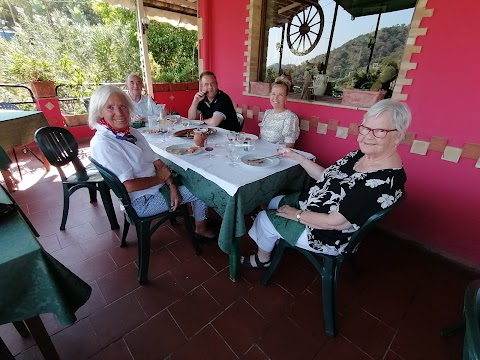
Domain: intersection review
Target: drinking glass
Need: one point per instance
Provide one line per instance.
(281, 147)
(153, 122)
(209, 146)
(185, 123)
(233, 155)
(231, 136)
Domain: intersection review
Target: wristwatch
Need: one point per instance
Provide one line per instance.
(299, 215)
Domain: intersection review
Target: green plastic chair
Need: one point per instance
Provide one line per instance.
(143, 224)
(471, 344)
(60, 148)
(328, 266)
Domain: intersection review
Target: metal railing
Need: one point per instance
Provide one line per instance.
(24, 91)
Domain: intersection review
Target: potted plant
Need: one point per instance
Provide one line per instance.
(38, 73)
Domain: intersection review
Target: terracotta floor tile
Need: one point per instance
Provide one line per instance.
(101, 224)
(94, 267)
(117, 319)
(156, 338)
(119, 283)
(340, 349)
(270, 301)
(366, 332)
(255, 353)
(206, 344)
(75, 235)
(124, 255)
(77, 341)
(15, 343)
(182, 249)
(192, 273)
(240, 325)
(158, 293)
(215, 257)
(191, 318)
(294, 279)
(93, 304)
(161, 261)
(70, 255)
(32, 353)
(225, 291)
(307, 312)
(392, 356)
(162, 237)
(50, 243)
(100, 243)
(116, 351)
(298, 344)
(39, 217)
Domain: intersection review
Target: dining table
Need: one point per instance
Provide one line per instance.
(17, 128)
(32, 282)
(232, 191)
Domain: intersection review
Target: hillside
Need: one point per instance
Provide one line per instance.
(353, 55)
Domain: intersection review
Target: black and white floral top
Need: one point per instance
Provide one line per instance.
(356, 195)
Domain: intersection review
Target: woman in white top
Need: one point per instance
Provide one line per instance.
(280, 125)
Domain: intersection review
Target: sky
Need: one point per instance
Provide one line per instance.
(345, 30)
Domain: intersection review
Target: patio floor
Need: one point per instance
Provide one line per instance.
(393, 309)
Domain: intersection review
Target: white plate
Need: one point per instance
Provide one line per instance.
(265, 164)
(181, 149)
(196, 122)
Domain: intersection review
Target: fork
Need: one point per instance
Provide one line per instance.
(263, 158)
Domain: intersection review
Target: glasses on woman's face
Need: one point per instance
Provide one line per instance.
(378, 133)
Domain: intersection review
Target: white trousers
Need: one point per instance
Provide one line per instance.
(266, 236)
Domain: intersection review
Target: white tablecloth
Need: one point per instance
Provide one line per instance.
(217, 168)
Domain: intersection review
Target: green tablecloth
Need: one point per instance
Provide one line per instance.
(232, 209)
(31, 281)
(18, 127)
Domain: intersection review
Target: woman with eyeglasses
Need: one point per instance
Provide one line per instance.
(324, 217)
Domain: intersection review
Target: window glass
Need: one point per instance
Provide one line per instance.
(296, 40)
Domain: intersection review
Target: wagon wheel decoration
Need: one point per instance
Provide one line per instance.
(305, 29)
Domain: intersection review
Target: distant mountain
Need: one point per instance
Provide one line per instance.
(353, 55)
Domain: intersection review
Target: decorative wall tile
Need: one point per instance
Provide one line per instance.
(477, 165)
(332, 124)
(451, 154)
(437, 143)
(256, 110)
(471, 151)
(409, 138)
(49, 106)
(250, 114)
(322, 128)
(419, 147)
(314, 121)
(238, 110)
(260, 116)
(244, 108)
(342, 132)
(304, 125)
(353, 129)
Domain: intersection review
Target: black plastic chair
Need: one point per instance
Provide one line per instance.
(60, 148)
(241, 120)
(143, 225)
(471, 345)
(328, 266)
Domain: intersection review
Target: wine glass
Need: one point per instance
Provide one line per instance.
(209, 146)
(281, 147)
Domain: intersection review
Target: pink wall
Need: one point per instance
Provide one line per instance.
(178, 101)
(441, 210)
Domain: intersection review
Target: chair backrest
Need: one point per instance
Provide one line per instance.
(117, 187)
(241, 120)
(372, 220)
(60, 148)
(8, 106)
(471, 346)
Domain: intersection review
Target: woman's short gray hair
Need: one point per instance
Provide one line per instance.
(401, 115)
(99, 99)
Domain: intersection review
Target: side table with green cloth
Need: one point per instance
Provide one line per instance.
(32, 282)
(232, 209)
(18, 127)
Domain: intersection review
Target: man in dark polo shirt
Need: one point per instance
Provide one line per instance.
(215, 106)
